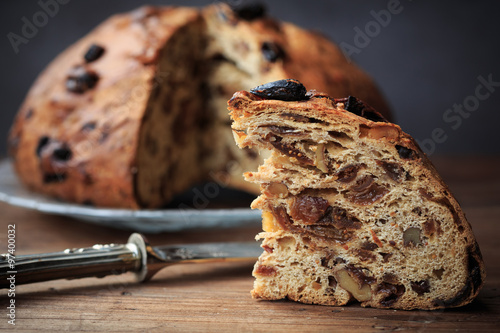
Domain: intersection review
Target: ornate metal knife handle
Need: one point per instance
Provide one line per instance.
(96, 261)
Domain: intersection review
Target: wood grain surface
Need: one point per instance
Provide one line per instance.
(216, 297)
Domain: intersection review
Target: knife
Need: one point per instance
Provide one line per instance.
(136, 256)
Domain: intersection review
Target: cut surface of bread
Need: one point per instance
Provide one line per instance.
(135, 112)
(352, 208)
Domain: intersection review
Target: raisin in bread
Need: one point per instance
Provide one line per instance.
(352, 208)
(135, 112)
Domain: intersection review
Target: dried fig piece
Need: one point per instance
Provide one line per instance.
(284, 90)
(289, 150)
(263, 270)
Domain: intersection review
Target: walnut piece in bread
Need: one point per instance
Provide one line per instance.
(352, 208)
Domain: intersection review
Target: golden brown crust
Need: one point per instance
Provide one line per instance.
(352, 208)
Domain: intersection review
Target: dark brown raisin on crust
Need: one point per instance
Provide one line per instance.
(42, 142)
(250, 11)
(81, 80)
(284, 90)
(272, 51)
(62, 153)
(93, 53)
(421, 287)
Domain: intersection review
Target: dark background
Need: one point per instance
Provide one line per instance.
(425, 60)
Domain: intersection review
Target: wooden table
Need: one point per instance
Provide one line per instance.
(216, 297)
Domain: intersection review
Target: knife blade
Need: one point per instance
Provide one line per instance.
(137, 256)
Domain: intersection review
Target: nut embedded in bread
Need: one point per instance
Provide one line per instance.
(352, 208)
(139, 104)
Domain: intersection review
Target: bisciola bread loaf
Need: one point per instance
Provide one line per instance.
(135, 112)
(352, 208)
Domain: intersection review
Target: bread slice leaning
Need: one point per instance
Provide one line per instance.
(352, 208)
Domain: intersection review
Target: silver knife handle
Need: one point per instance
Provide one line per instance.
(95, 261)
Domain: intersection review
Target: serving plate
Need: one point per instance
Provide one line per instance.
(152, 221)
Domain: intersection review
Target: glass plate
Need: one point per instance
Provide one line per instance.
(152, 221)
